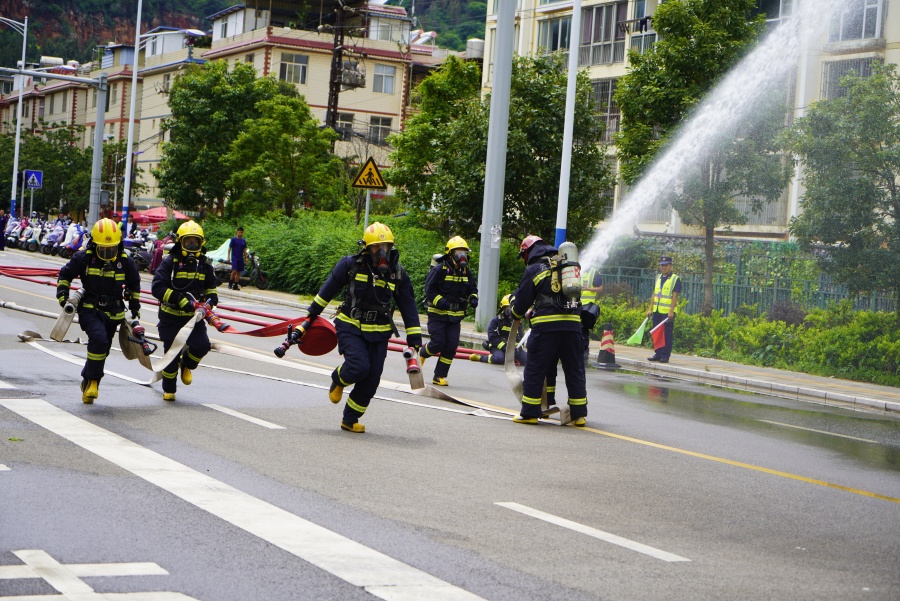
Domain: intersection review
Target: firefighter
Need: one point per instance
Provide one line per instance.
(109, 279)
(450, 289)
(374, 285)
(555, 333)
(498, 337)
(182, 282)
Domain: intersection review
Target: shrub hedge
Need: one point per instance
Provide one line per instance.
(298, 253)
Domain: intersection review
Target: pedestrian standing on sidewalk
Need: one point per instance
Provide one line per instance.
(237, 254)
(4, 220)
(663, 304)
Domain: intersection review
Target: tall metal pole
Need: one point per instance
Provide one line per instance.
(562, 208)
(94, 207)
(12, 204)
(495, 168)
(129, 152)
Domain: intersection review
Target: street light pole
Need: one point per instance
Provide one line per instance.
(129, 152)
(23, 29)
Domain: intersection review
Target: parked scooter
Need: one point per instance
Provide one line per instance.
(141, 250)
(252, 274)
(53, 236)
(75, 238)
(13, 228)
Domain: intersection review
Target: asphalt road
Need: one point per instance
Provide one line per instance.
(673, 491)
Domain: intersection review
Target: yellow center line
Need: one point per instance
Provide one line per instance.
(743, 465)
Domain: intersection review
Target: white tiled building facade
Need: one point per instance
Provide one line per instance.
(868, 31)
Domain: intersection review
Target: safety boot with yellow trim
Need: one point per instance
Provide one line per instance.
(186, 376)
(89, 391)
(525, 420)
(335, 393)
(438, 381)
(168, 396)
(580, 422)
(356, 428)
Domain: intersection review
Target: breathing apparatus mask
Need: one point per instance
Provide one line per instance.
(191, 245)
(379, 254)
(460, 256)
(107, 253)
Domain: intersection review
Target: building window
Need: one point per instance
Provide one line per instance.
(858, 20)
(834, 71)
(94, 98)
(605, 105)
(223, 29)
(50, 109)
(249, 59)
(643, 43)
(153, 46)
(65, 101)
(602, 41)
(344, 125)
(775, 10)
(379, 130)
(293, 67)
(553, 34)
(384, 80)
(40, 107)
(26, 109)
(114, 95)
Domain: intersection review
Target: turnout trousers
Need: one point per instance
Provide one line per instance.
(100, 330)
(197, 347)
(362, 367)
(444, 342)
(544, 349)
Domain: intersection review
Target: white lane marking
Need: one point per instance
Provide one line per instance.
(378, 574)
(244, 416)
(818, 431)
(4, 468)
(5, 385)
(68, 583)
(605, 536)
(89, 570)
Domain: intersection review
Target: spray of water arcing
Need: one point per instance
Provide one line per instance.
(727, 107)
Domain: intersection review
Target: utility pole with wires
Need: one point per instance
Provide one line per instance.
(337, 66)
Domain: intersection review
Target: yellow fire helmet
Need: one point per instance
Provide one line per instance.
(504, 302)
(106, 235)
(454, 243)
(190, 237)
(377, 233)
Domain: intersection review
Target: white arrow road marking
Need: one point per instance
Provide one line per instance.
(4, 468)
(380, 575)
(244, 416)
(605, 536)
(5, 385)
(67, 579)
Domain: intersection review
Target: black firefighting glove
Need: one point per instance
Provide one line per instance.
(443, 304)
(134, 305)
(473, 301)
(414, 340)
(63, 300)
(184, 302)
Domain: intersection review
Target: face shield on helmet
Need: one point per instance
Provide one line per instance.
(379, 254)
(191, 244)
(458, 250)
(106, 236)
(190, 238)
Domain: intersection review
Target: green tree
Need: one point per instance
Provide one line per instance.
(209, 105)
(850, 151)
(440, 160)
(278, 154)
(700, 41)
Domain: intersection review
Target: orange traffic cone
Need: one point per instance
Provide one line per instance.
(606, 359)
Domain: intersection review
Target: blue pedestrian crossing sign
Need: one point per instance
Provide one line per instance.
(34, 179)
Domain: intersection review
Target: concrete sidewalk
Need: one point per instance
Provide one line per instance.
(764, 380)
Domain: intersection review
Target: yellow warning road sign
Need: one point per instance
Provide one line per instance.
(369, 177)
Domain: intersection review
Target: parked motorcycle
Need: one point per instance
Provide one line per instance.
(253, 275)
(52, 238)
(141, 250)
(76, 236)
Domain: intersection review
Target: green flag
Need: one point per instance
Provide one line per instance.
(638, 336)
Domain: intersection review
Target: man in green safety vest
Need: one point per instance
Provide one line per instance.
(663, 304)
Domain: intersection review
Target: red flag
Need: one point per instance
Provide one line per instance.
(659, 335)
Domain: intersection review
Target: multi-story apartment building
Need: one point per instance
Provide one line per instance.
(867, 31)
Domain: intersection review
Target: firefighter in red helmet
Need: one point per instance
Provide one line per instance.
(555, 333)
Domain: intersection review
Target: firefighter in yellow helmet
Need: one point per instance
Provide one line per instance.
(498, 337)
(374, 284)
(183, 278)
(450, 288)
(109, 279)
